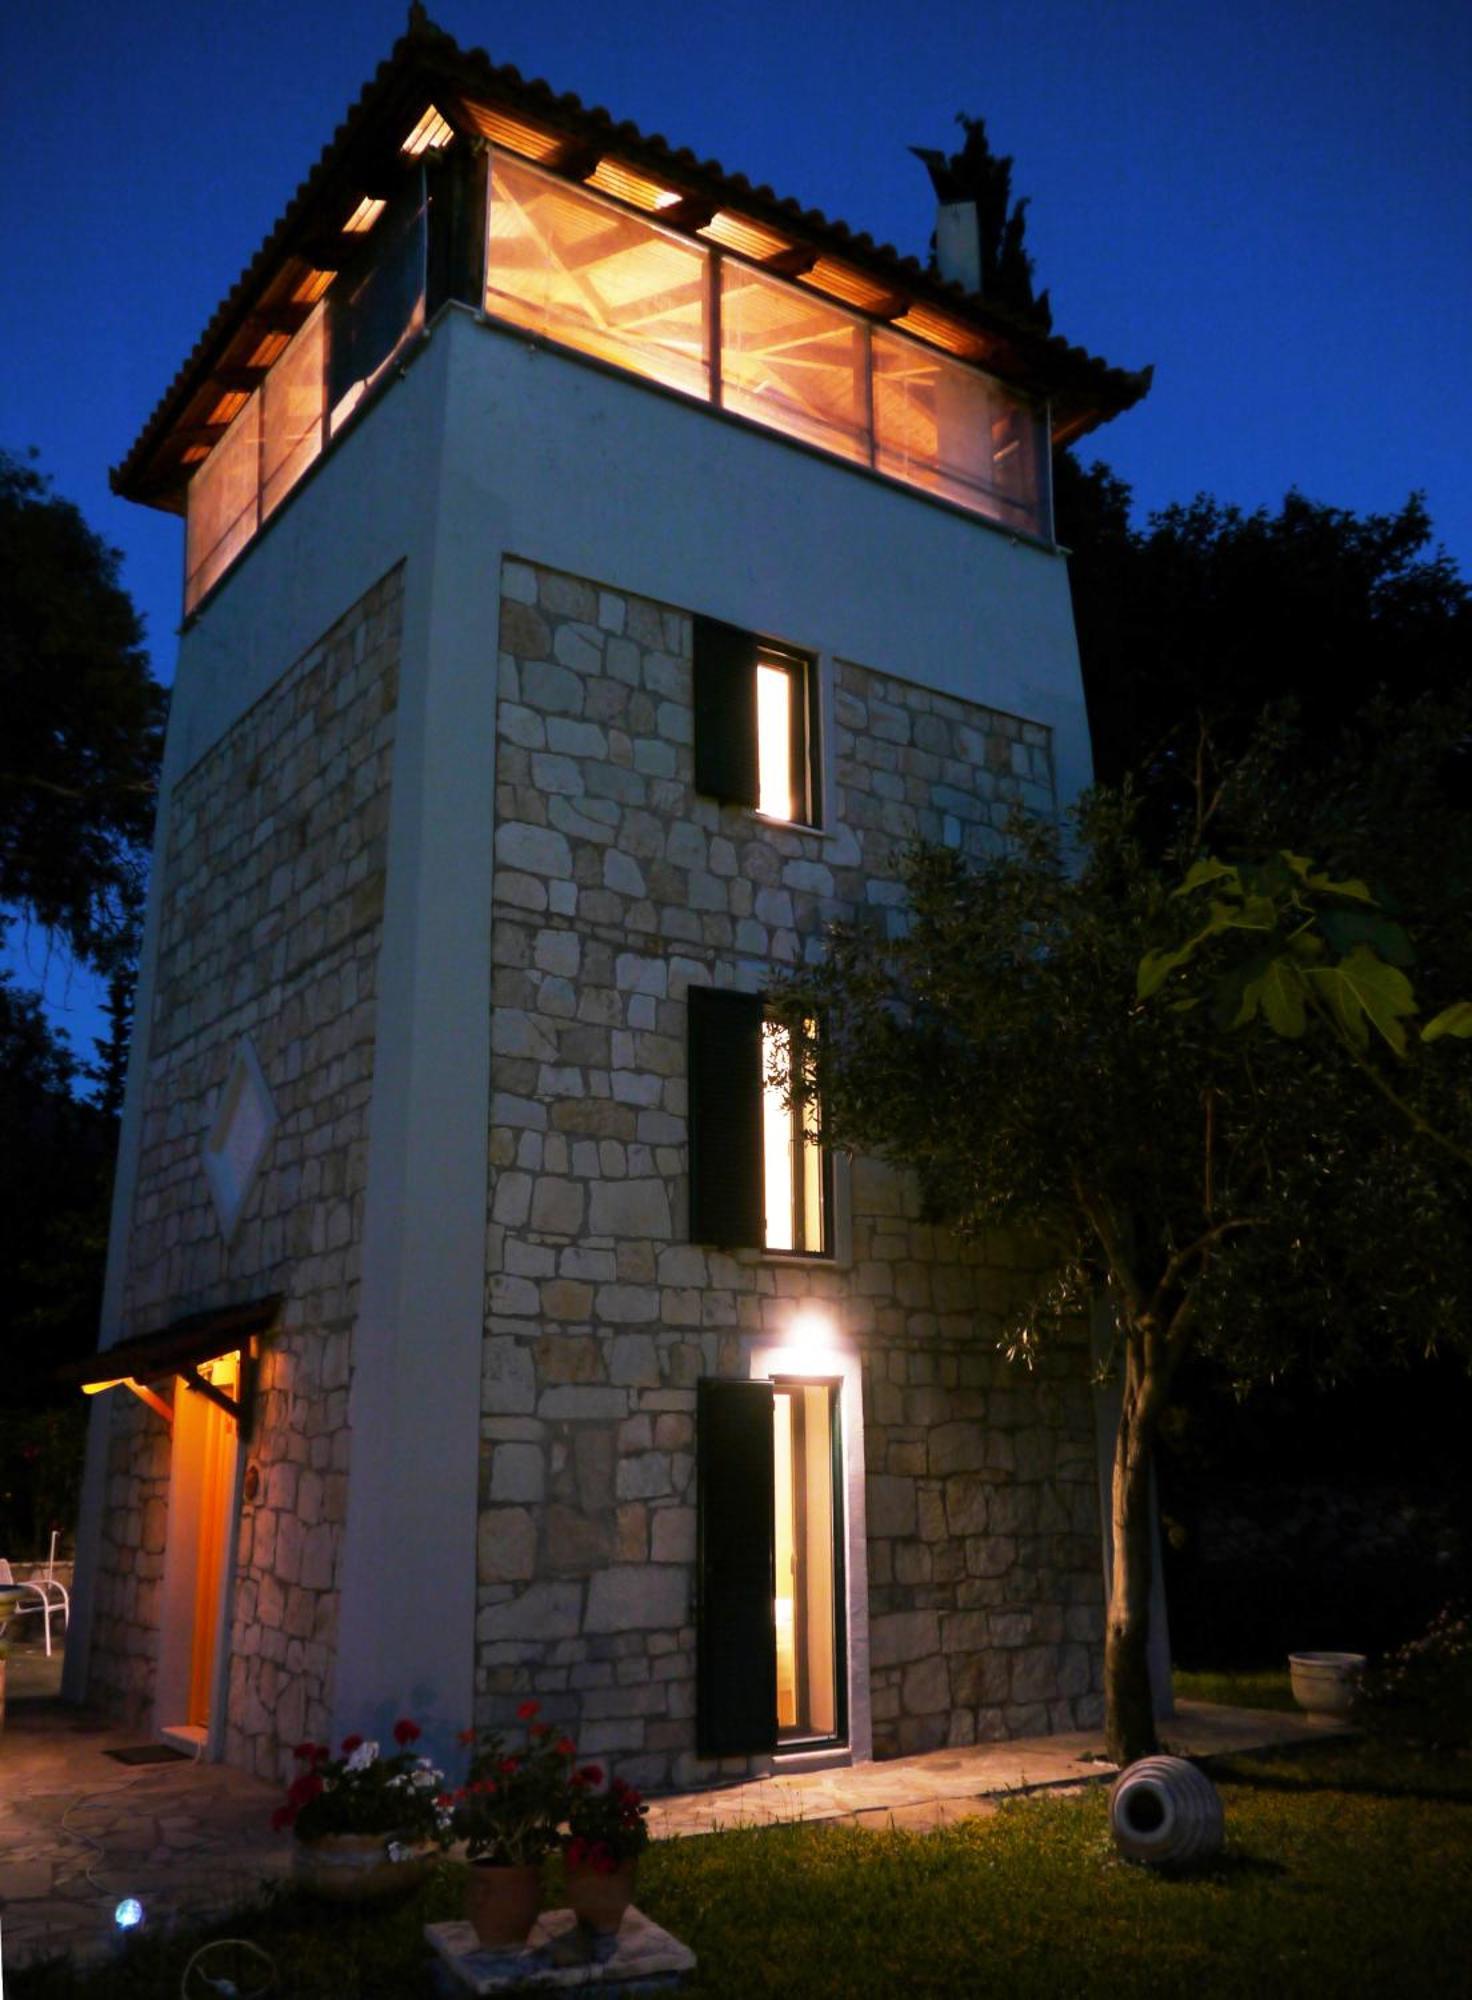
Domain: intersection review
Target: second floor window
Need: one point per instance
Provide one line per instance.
(759, 1179)
(755, 723)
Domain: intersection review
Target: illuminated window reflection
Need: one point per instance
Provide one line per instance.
(805, 1534)
(792, 1159)
(561, 263)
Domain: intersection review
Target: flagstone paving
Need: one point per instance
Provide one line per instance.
(79, 1831)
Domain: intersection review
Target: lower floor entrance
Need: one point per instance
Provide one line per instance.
(772, 1599)
(202, 1506)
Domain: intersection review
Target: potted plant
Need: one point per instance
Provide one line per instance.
(607, 1831)
(508, 1812)
(364, 1824)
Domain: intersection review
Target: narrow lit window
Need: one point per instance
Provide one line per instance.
(755, 743)
(758, 1173)
(792, 1159)
(807, 1568)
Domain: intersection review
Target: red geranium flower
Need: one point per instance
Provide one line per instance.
(566, 1747)
(350, 1744)
(591, 1774)
(304, 1789)
(406, 1731)
(283, 1816)
(305, 1752)
(527, 1710)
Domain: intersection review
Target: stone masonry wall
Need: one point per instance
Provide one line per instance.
(272, 897)
(616, 888)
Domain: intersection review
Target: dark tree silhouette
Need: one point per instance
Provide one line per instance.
(83, 725)
(978, 174)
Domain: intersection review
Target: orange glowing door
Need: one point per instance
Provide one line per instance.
(216, 1477)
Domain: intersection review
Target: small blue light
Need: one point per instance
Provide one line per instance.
(128, 1914)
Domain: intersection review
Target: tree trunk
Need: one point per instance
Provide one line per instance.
(1129, 1710)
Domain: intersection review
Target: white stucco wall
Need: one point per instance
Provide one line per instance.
(489, 447)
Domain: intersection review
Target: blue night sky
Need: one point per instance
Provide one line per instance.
(1269, 202)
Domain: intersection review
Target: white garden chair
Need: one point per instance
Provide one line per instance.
(50, 1594)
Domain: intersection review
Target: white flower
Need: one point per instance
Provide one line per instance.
(426, 1780)
(363, 1756)
(397, 1851)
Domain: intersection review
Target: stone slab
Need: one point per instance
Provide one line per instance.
(641, 1958)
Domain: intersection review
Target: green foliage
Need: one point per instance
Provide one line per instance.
(83, 725)
(1422, 1694)
(1246, 1193)
(513, 1801)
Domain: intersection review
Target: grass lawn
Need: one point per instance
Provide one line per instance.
(1348, 1871)
(1261, 1687)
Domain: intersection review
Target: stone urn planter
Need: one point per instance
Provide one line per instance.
(502, 1902)
(360, 1867)
(1326, 1683)
(1165, 1813)
(598, 1898)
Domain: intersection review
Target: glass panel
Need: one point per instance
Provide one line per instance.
(805, 1528)
(774, 740)
(777, 1135)
(291, 413)
(957, 432)
(562, 263)
(375, 315)
(222, 503)
(792, 362)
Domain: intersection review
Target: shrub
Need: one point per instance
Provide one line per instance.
(1423, 1693)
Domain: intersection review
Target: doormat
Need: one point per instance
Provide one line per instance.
(149, 1753)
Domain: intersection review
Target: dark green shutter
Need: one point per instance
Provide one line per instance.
(736, 1638)
(725, 1093)
(725, 712)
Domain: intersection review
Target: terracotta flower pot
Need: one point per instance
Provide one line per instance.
(502, 1902)
(599, 1900)
(356, 1868)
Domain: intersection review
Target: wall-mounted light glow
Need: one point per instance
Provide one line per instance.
(811, 1330)
(129, 1914)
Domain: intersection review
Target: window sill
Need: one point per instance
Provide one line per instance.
(789, 825)
(817, 1260)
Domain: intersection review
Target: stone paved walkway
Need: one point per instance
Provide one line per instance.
(78, 1831)
(930, 1791)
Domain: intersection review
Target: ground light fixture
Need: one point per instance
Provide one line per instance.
(129, 1914)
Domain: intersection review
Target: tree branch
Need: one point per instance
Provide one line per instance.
(1202, 1248)
(1097, 1216)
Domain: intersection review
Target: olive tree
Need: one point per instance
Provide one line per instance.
(1243, 1194)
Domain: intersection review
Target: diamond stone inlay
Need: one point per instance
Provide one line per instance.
(237, 1141)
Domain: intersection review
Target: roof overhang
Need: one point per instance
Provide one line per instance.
(181, 1348)
(481, 100)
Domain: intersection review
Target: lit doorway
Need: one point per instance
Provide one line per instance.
(808, 1567)
(202, 1488)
